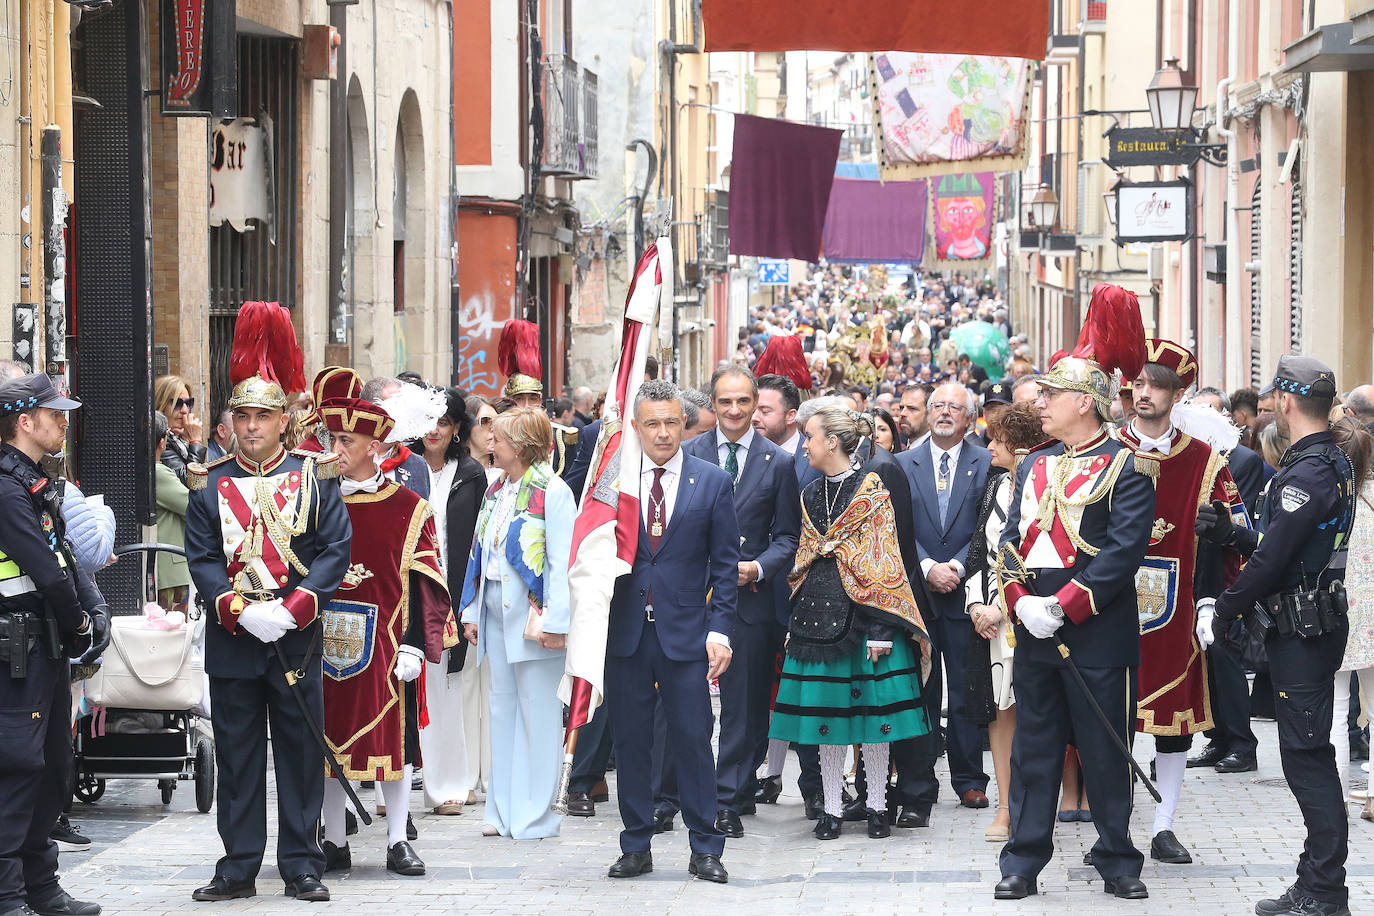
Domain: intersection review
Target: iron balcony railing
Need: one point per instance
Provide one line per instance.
(570, 118)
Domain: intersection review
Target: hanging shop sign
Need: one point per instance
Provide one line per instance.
(1154, 211)
(199, 58)
(1127, 146)
(241, 173)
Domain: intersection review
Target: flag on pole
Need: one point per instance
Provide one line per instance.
(606, 533)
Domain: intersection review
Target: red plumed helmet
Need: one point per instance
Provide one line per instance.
(265, 345)
(518, 351)
(784, 356)
(1057, 356)
(1113, 335)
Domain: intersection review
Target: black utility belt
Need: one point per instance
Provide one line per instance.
(1307, 613)
(19, 632)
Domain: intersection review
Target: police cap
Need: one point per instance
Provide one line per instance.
(997, 393)
(1305, 376)
(29, 392)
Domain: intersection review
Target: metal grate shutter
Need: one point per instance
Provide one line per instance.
(1295, 267)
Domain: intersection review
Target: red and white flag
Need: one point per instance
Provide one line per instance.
(606, 534)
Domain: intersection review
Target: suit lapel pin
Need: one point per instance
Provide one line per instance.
(691, 480)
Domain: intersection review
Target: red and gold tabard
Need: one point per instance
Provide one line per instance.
(393, 553)
(1173, 696)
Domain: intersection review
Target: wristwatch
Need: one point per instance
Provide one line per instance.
(1055, 609)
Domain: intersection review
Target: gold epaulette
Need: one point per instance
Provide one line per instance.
(1144, 464)
(326, 466)
(198, 475)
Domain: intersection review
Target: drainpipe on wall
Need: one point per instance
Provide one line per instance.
(1237, 373)
(455, 330)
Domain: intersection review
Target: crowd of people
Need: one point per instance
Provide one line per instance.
(875, 543)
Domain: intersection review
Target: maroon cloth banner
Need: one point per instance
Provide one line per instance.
(876, 221)
(780, 180)
(1002, 28)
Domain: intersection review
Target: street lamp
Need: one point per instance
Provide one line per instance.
(1171, 100)
(1109, 198)
(1044, 208)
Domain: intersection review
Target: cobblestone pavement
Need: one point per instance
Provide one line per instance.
(1244, 832)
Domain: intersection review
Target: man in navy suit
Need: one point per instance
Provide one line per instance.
(666, 636)
(947, 475)
(768, 507)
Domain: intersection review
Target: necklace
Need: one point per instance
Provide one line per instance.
(830, 500)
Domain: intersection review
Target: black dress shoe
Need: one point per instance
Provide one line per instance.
(878, 826)
(1015, 887)
(580, 804)
(1127, 887)
(61, 903)
(401, 859)
(632, 865)
(1237, 763)
(815, 807)
(707, 867)
(1209, 756)
(1294, 903)
(308, 888)
(337, 858)
(827, 827)
(1165, 847)
(767, 790)
(663, 821)
(854, 811)
(350, 823)
(221, 888)
(411, 832)
(728, 823)
(1280, 904)
(910, 817)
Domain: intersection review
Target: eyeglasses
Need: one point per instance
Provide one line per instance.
(485, 421)
(947, 406)
(188, 403)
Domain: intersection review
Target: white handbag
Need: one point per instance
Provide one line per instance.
(146, 668)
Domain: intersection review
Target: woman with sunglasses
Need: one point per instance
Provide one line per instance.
(185, 441)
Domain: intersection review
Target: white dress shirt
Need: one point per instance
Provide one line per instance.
(746, 444)
(494, 538)
(672, 475)
(953, 453)
(1150, 444)
(791, 445)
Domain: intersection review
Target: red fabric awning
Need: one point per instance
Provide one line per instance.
(1008, 28)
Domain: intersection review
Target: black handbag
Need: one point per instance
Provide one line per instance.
(980, 707)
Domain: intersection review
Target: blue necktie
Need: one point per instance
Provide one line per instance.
(942, 487)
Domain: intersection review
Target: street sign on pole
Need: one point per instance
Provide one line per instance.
(774, 272)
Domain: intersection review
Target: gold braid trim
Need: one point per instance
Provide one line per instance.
(1148, 466)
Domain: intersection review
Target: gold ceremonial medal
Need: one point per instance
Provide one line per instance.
(656, 530)
(941, 484)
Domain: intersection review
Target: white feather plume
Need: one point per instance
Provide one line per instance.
(415, 410)
(1209, 425)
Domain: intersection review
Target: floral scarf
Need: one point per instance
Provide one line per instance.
(863, 542)
(524, 539)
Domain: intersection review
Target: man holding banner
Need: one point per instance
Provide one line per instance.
(679, 544)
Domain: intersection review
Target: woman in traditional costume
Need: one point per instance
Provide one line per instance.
(851, 675)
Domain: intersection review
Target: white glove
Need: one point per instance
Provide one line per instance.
(1033, 613)
(1206, 616)
(267, 620)
(409, 663)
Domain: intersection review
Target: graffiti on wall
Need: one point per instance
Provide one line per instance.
(476, 357)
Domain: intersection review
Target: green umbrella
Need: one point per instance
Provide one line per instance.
(984, 344)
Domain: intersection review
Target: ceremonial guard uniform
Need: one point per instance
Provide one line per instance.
(330, 383)
(393, 603)
(267, 543)
(1177, 583)
(49, 611)
(1076, 533)
(1291, 593)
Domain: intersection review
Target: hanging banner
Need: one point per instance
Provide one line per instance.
(199, 58)
(781, 173)
(1015, 27)
(963, 217)
(937, 114)
(876, 221)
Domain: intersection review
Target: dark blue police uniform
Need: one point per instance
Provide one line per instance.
(45, 603)
(1293, 578)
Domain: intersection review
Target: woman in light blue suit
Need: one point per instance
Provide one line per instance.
(515, 610)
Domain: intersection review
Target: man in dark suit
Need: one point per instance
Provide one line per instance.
(1232, 743)
(768, 507)
(946, 475)
(666, 638)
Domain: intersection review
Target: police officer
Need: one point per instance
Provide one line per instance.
(1291, 591)
(49, 612)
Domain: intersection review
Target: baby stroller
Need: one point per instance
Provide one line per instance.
(151, 684)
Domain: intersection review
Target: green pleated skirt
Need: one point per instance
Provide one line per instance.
(851, 700)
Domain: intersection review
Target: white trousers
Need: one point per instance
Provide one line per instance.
(443, 744)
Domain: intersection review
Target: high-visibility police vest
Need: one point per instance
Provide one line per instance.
(14, 582)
